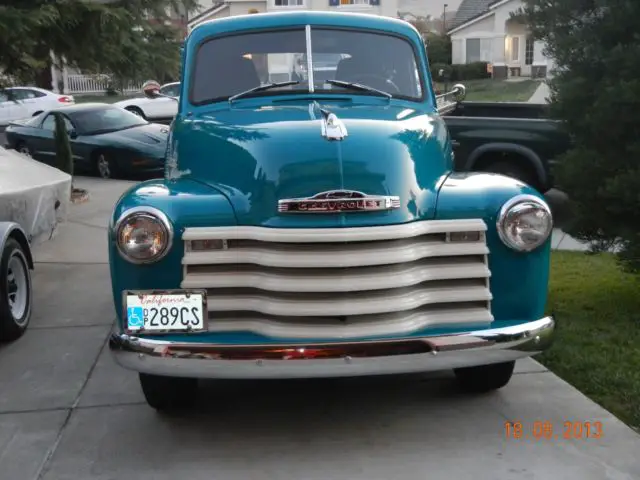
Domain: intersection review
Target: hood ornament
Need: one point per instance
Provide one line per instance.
(339, 201)
(332, 127)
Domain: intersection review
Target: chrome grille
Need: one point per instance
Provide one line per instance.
(341, 282)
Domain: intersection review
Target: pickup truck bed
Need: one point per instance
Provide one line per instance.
(511, 138)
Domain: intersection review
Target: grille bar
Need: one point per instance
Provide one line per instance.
(358, 303)
(352, 327)
(333, 256)
(334, 280)
(330, 235)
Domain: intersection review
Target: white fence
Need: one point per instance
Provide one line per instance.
(77, 84)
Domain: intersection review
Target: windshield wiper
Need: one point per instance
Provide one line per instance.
(358, 86)
(262, 88)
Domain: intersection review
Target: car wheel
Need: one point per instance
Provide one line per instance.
(167, 394)
(136, 111)
(508, 169)
(484, 378)
(15, 291)
(105, 167)
(24, 149)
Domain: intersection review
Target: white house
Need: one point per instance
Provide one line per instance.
(230, 8)
(484, 31)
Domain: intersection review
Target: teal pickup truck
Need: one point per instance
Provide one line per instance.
(317, 228)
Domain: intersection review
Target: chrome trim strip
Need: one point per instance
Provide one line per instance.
(203, 360)
(307, 31)
(149, 211)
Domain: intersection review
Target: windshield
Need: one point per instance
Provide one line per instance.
(103, 120)
(228, 65)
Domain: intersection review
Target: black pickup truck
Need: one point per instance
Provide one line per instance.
(511, 138)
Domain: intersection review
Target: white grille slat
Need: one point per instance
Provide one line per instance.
(361, 303)
(335, 258)
(338, 280)
(330, 235)
(371, 325)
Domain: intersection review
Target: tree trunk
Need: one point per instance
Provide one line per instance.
(43, 77)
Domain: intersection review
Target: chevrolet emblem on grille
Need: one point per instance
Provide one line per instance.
(337, 201)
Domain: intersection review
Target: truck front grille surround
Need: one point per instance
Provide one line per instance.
(341, 283)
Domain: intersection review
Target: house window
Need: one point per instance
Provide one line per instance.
(345, 3)
(478, 50)
(515, 49)
(289, 3)
(528, 51)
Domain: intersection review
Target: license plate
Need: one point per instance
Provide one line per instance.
(158, 311)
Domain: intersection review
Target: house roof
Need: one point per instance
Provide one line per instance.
(469, 10)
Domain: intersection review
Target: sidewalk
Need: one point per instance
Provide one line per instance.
(541, 94)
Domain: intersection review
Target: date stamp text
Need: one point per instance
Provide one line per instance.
(546, 430)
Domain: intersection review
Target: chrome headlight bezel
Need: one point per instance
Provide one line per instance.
(519, 205)
(150, 213)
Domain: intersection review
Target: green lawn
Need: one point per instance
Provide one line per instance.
(490, 90)
(597, 349)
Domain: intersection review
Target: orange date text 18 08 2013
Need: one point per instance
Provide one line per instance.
(546, 430)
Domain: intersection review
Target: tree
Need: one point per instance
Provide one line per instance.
(130, 39)
(596, 92)
(64, 156)
(438, 47)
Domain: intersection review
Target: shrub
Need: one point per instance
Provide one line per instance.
(460, 72)
(596, 92)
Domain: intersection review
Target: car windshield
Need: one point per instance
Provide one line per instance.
(228, 65)
(103, 120)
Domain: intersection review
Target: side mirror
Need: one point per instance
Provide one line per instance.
(73, 134)
(460, 92)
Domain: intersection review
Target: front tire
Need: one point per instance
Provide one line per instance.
(15, 291)
(24, 149)
(484, 378)
(168, 394)
(104, 166)
(136, 111)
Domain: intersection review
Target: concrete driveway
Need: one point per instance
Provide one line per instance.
(67, 412)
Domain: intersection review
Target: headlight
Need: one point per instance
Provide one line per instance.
(524, 223)
(143, 235)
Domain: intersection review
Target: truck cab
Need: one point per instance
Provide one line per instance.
(315, 227)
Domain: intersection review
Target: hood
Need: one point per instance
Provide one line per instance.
(151, 137)
(259, 156)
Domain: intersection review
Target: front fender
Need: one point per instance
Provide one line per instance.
(13, 230)
(186, 203)
(518, 280)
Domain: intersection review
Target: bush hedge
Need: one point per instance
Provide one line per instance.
(454, 73)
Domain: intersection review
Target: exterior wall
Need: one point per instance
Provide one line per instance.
(242, 8)
(457, 50)
(388, 8)
(500, 28)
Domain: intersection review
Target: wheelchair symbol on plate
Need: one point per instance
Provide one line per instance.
(135, 317)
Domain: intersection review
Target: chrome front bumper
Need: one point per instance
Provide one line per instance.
(348, 359)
